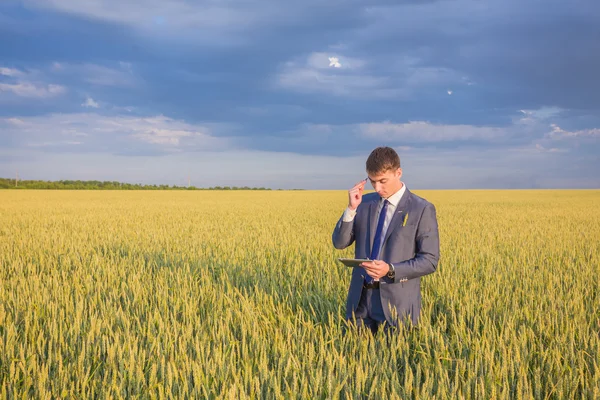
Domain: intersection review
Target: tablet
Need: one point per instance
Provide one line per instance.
(353, 262)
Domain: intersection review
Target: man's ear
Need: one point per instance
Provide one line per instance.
(399, 173)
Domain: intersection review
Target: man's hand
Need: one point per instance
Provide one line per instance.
(355, 194)
(376, 269)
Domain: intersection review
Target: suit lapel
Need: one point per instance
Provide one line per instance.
(399, 214)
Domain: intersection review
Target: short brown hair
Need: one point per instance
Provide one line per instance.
(383, 159)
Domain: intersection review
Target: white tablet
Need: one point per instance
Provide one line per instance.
(353, 262)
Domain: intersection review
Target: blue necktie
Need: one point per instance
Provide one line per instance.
(378, 237)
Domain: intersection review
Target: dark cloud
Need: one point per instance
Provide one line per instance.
(259, 82)
(517, 54)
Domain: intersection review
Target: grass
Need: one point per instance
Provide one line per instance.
(239, 295)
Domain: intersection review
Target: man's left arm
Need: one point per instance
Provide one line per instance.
(427, 249)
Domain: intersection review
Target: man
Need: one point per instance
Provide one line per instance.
(397, 230)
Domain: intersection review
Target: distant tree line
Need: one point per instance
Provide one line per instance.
(104, 185)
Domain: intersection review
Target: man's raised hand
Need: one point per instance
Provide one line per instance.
(355, 194)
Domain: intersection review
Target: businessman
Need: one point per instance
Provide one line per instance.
(397, 230)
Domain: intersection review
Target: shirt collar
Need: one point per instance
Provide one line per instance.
(396, 197)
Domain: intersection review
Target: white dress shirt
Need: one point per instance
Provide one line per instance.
(394, 200)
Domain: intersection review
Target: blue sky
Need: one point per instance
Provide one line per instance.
(472, 94)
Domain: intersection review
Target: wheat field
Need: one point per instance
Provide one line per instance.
(237, 294)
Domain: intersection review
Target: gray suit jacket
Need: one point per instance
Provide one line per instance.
(413, 248)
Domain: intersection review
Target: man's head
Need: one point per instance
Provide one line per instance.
(383, 168)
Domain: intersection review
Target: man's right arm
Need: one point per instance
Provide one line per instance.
(343, 234)
(349, 215)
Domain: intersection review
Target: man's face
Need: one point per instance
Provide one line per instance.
(386, 183)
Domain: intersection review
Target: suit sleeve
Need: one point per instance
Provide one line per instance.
(427, 248)
(343, 234)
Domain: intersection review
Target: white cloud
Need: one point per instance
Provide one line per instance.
(539, 115)
(54, 144)
(10, 72)
(104, 131)
(31, 90)
(544, 122)
(163, 136)
(536, 148)
(543, 149)
(334, 62)
(529, 131)
(313, 74)
(324, 61)
(517, 136)
(528, 134)
(306, 80)
(413, 134)
(558, 132)
(28, 84)
(449, 92)
(89, 102)
(338, 75)
(14, 121)
(422, 131)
